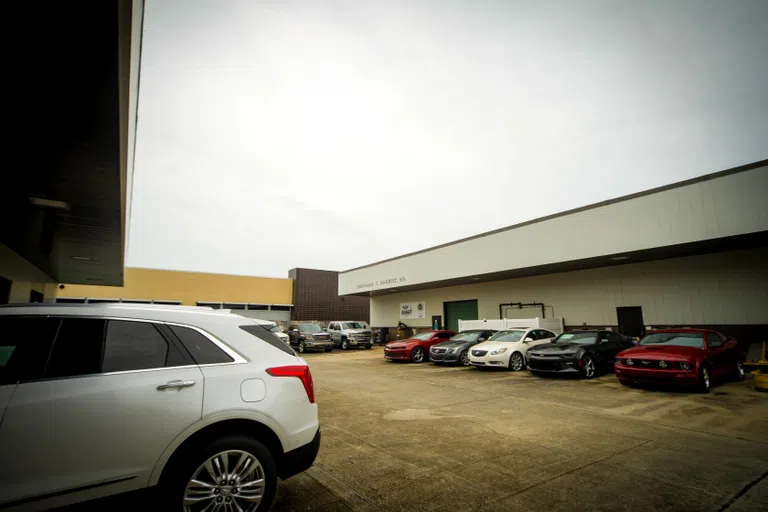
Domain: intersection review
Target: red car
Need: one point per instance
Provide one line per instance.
(681, 356)
(416, 348)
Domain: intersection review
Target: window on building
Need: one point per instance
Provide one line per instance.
(281, 307)
(258, 307)
(203, 350)
(234, 305)
(70, 300)
(103, 301)
(167, 302)
(136, 301)
(214, 305)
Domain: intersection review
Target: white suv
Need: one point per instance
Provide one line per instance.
(96, 400)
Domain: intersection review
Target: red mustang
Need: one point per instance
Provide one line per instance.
(416, 348)
(681, 356)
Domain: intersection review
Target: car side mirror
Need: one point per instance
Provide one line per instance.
(604, 340)
(294, 330)
(526, 340)
(480, 340)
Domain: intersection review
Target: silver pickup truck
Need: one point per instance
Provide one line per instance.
(350, 334)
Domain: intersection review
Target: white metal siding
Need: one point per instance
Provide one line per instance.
(555, 325)
(722, 288)
(725, 206)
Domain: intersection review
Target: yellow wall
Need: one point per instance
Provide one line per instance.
(20, 291)
(188, 287)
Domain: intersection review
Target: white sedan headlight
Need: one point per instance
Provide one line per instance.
(498, 351)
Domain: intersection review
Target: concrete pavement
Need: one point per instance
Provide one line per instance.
(423, 437)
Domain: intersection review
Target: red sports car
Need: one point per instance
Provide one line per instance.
(681, 356)
(416, 348)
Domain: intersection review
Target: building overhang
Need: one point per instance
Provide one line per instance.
(66, 205)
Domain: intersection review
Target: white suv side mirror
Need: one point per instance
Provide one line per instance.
(526, 340)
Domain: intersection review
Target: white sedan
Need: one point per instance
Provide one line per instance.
(506, 349)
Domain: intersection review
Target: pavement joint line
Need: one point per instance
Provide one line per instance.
(564, 473)
(742, 492)
(345, 493)
(691, 487)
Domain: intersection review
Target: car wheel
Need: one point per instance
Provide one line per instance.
(302, 348)
(329, 349)
(417, 355)
(516, 362)
(231, 473)
(368, 347)
(344, 345)
(705, 379)
(739, 370)
(464, 358)
(588, 369)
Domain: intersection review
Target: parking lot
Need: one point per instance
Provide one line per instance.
(423, 437)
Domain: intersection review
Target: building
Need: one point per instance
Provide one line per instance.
(257, 297)
(306, 295)
(66, 191)
(316, 297)
(690, 254)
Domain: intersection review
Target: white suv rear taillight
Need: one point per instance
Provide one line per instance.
(300, 371)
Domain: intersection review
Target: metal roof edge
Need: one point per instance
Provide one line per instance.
(691, 181)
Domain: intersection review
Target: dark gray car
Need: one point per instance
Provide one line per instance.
(456, 350)
(307, 336)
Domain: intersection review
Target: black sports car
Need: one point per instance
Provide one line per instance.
(584, 352)
(456, 349)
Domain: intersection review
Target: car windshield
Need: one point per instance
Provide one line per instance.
(422, 336)
(466, 336)
(351, 325)
(310, 328)
(579, 338)
(679, 339)
(508, 336)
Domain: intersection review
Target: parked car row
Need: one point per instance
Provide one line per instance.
(677, 356)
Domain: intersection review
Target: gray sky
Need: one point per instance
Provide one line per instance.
(332, 134)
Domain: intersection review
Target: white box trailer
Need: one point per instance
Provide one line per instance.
(551, 324)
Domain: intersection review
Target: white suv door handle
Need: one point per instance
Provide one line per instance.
(176, 384)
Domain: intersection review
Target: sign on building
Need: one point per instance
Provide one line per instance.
(410, 310)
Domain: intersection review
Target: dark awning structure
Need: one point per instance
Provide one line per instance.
(65, 191)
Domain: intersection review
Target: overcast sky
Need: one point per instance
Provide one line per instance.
(335, 133)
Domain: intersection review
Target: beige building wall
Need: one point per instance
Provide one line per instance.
(188, 287)
(715, 289)
(723, 206)
(20, 291)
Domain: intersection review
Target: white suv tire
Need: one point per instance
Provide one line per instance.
(177, 485)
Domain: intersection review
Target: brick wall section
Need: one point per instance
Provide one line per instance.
(316, 297)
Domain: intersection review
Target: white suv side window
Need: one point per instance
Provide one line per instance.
(86, 346)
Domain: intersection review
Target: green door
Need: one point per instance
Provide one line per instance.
(459, 310)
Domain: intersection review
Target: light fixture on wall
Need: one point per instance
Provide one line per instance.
(43, 202)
